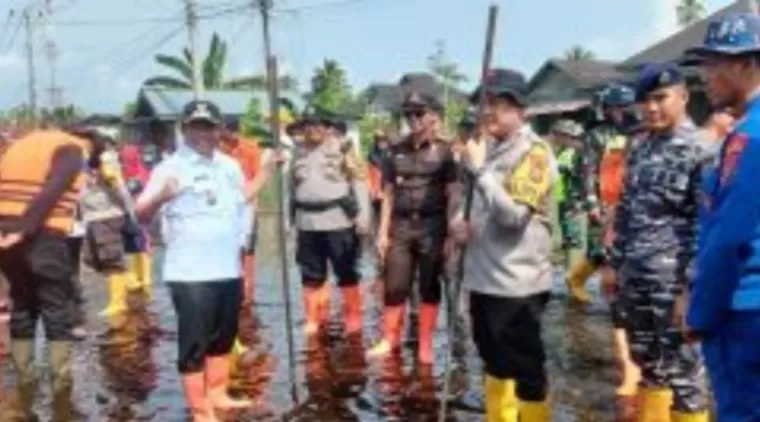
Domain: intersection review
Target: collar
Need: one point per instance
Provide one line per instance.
(194, 157)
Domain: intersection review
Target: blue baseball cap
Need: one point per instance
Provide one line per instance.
(732, 35)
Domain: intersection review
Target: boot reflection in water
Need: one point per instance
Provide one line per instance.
(127, 360)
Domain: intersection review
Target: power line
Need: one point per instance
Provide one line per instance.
(212, 12)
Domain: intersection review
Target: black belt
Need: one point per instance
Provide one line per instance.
(347, 203)
(418, 214)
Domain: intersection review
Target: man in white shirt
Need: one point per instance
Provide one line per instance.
(200, 195)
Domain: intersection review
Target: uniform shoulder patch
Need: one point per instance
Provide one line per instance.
(732, 150)
(532, 178)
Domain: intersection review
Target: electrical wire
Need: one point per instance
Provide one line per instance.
(12, 41)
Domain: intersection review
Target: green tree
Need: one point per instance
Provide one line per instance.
(368, 125)
(252, 122)
(447, 74)
(330, 90)
(690, 11)
(578, 53)
(213, 72)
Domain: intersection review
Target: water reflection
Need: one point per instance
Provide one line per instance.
(127, 371)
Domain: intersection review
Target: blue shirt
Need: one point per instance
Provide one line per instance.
(206, 225)
(728, 261)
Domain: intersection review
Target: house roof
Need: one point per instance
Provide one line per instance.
(585, 73)
(168, 104)
(389, 96)
(673, 47)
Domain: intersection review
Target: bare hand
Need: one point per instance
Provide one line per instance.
(361, 226)
(10, 240)
(595, 215)
(278, 157)
(461, 231)
(609, 283)
(171, 189)
(382, 244)
(679, 312)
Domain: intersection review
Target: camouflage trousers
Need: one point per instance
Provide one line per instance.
(572, 236)
(657, 344)
(595, 249)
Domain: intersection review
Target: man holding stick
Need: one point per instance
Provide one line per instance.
(507, 266)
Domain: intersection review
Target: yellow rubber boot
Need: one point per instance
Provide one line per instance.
(501, 402)
(118, 288)
(690, 417)
(631, 374)
(654, 405)
(143, 269)
(535, 411)
(577, 278)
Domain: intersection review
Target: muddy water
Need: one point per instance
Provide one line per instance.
(125, 371)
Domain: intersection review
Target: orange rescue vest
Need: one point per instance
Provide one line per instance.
(24, 170)
(611, 171)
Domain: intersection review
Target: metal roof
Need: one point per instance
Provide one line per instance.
(167, 104)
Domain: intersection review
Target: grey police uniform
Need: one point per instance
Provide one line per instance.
(654, 245)
(507, 267)
(326, 200)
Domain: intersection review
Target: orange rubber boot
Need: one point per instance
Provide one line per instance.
(325, 297)
(393, 323)
(352, 309)
(217, 382)
(249, 278)
(427, 318)
(197, 401)
(311, 309)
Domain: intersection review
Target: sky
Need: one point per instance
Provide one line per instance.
(106, 48)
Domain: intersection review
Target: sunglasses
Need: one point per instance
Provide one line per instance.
(414, 114)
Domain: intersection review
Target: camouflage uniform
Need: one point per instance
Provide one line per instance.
(569, 193)
(654, 244)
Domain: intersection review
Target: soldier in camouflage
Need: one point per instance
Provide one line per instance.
(601, 171)
(566, 135)
(655, 233)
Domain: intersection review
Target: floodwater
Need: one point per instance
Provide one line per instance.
(125, 370)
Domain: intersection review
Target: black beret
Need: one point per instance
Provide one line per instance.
(657, 76)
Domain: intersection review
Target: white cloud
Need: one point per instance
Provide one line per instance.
(10, 61)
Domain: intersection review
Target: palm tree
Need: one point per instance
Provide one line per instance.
(577, 53)
(329, 88)
(690, 11)
(212, 72)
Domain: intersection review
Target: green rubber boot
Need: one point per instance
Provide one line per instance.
(59, 356)
(22, 355)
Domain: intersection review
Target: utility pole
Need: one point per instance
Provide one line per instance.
(192, 32)
(51, 52)
(30, 66)
(264, 7)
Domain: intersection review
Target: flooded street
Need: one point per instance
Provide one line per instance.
(125, 370)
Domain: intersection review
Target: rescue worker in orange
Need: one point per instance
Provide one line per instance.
(40, 183)
(420, 194)
(248, 154)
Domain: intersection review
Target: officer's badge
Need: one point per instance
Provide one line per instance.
(733, 149)
(665, 78)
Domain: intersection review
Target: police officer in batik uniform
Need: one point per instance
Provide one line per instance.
(508, 268)
(330, 208)
(565, 134)
(655, 232)
(418, 199)
(724, 309)
(602, 144)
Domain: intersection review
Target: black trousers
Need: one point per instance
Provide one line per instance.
(338, 248)
(507, 333)
(415, 251)
(207, 318)
(75, 249)
(40, 271)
